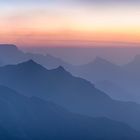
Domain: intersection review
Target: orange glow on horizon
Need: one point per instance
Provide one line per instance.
(66, 25)
(70, 37)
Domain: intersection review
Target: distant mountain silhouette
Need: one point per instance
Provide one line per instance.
(98, 70)
(47, 61)
(133, 67)
(126, 77)
(25, 118)
(7, 47)
(75, 94)
(10, 54)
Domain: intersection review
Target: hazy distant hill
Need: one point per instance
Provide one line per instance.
(81, 55)
(133, 67)
(25, 118)
(47, 60)
(97, 70)
(108, 77)
(75, 94)
(126, 77)
(10, 54)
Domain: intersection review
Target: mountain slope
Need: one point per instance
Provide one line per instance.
(31, 78)
(32, 118)
(75, 94)
(127, 77)
(47, 61)
(114, 91)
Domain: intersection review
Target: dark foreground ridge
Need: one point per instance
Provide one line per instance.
(24, 118)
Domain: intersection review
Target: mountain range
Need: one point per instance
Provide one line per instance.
(10, 54)
(51, 103)
(73, 93)
(123, 80)
(25, 118)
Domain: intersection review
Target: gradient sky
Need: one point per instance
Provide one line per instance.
(51, 22)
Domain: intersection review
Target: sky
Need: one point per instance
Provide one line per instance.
(69, 22)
